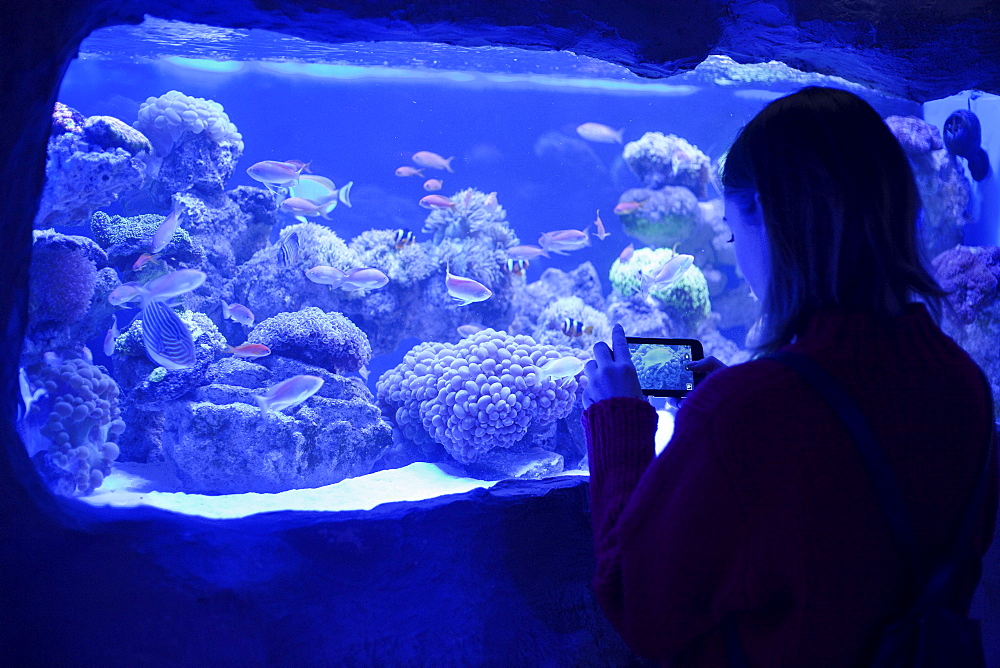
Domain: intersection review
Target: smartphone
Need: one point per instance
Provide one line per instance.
(660, 364)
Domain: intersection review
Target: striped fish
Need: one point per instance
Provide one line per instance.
(168, 340)
(288, 253)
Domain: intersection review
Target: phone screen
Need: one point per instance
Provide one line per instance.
(661, 363)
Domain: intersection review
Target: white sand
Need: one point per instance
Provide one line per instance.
(131, 485)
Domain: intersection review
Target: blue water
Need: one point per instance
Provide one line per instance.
(358, 112)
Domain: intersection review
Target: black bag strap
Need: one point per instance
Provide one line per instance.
(939, 584)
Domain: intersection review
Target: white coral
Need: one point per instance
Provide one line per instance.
(164, 119)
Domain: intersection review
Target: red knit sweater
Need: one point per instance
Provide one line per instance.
(760, 503)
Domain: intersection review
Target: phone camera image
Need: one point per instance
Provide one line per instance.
(662, 367)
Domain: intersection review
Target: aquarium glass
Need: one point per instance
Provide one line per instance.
(273, 274)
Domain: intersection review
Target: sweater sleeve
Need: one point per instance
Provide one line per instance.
(668, 531)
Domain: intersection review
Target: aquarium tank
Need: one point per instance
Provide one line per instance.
(272, 274)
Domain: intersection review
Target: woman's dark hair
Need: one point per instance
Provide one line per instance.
(840, 206)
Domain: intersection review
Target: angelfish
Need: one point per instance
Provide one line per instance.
(288, 393)
(465, 290)
(167, 339)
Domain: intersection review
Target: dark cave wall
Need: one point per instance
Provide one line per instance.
(500, 568)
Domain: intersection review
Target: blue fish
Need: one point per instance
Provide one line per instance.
(168, 340)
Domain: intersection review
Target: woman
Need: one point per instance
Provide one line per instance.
(759, 509)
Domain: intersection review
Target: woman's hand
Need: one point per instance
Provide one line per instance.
(611, 372)
(706, 366)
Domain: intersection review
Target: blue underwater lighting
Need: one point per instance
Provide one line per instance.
(205, 65)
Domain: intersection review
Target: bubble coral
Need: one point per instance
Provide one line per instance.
(67, 436)
(481, 393)
(164, 119)
(668, 160)
(327, 340)
(686, 300)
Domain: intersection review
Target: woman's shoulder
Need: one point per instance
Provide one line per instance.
(744, 388)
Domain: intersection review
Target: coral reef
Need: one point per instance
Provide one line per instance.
(640, 316)
(220, 443)
(196, 146)
(664, 217)
(549, 327)
(972, 275)
(482, 393)
(668, 160)
(327, 340)
(686, 300)
(150, 387)
(404, 266)
(125, 239)
(68, 429)
(63, 277)
(110, 133)
(529, 302)
(66, 119)
(80, 177)
(944, 190)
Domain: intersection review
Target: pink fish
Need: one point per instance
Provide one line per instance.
(671, 271)
(625, 208)
(526, 252)
(469, 330)
(433, 185)
(432, 160)
(237, 312)
(406, 170)
(600, 133)
(299, 165)
(288, 393)
(626, 253)
(362, 278)
(110, 338)
(561, 241)
(165, 232)
(250, 350)
(465, 290)
(272, 173)
(436, 202)
(601, 233)
(125, 292)
(297, 206)
(564, 367)
(490, 203)
(325, 275)
(142, 260)
(171, 285)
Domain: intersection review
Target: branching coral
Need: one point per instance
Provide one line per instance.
(67, 434)
(481, 393)
(327, 340)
